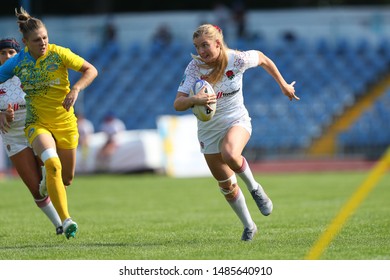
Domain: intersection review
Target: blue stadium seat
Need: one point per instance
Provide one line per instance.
(330, 76)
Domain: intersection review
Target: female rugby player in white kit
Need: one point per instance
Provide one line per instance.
(223, 138)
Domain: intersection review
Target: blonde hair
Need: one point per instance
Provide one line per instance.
(27, 23)
(213, 32)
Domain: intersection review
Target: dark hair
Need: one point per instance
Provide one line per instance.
(9, 43)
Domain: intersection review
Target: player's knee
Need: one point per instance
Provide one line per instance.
(229, 188)
(230, 158)
(67, 179)
(53, 166)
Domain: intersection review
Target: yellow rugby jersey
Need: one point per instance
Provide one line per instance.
(46, 83)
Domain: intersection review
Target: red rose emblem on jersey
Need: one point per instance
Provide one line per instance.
(230, 74)
(2, 91)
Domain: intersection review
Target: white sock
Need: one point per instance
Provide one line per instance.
(47, 207)
(240, 208)
(245, 173)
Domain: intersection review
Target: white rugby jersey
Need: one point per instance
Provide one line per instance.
(230, 100)
(12, 93)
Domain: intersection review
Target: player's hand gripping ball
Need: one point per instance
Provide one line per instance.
(200, 111)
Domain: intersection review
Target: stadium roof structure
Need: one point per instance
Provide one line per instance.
(76, 7)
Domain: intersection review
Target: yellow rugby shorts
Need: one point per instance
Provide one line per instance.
(65, 134)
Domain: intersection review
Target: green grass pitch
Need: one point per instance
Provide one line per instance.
(155, 217)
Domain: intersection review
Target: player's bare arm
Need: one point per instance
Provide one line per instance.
(270, 67)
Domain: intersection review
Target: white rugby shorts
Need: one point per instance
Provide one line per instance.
(210, 140)
(14, 140)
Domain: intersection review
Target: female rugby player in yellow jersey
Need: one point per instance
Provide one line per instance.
(12, 118)
(51, 126)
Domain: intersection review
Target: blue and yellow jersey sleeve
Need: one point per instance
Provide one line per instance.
(46, 83)
(7, 69)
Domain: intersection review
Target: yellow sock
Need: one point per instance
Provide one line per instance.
(56, 188)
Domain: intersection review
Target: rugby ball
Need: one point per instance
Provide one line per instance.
(203, 113)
